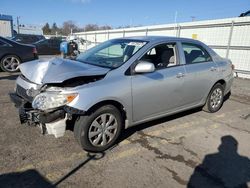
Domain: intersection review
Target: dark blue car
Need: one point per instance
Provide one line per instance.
(12, 54)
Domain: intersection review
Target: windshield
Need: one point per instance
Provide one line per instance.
(112, 53)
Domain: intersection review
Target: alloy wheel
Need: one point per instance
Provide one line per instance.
(10, 63)
(102, 130)
(216, 98)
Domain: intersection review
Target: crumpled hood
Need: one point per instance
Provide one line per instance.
(58, 70)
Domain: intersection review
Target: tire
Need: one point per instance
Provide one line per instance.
(10, 63)
(91, 133)
(215, 99)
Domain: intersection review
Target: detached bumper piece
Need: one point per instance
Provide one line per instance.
(55, 122)
(57, 128)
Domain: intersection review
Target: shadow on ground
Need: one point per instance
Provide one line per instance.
(129, 132)
(33, 179)
(223, 169)
(9, 77)
(27, 179)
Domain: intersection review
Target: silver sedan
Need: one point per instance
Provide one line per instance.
(121, 83)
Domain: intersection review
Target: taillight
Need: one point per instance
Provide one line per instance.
(34, 51)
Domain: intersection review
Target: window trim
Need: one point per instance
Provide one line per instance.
(199, 46)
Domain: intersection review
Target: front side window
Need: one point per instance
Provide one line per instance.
(112, 53)
(162, 55)
(195, 53)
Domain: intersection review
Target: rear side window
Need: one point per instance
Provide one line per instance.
(195, 53)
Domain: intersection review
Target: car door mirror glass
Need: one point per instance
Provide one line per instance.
(144, 67)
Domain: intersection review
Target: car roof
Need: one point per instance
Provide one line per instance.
(161, 38)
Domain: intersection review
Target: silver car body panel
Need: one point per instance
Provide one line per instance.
(144, 96)
(58, 70)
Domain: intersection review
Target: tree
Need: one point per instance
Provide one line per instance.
(68, 26)
(46, 29)
(54, 29)
(105, 27)
(91, 27)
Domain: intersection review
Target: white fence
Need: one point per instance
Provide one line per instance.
(230, 37)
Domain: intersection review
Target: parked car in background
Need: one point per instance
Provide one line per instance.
(121, 83)
(48, 46)
(27, 38)
(245, 14)
(13, 54)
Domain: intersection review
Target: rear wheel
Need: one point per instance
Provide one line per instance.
(99, 130)
(10, 63)
(214, 99)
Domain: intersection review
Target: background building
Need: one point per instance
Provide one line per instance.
(6, 25)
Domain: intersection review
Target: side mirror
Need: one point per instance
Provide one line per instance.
(144, 67)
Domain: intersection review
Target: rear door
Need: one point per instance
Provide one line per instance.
(159, 92)
(201, 73)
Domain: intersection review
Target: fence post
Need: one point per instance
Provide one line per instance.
(86, 41)
(178, 30)
(230, 39)
(147, 32)
(123, 33)
(179, 34)
(108, 34)
(95, 39)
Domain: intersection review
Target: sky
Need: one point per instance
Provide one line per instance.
(120, 12)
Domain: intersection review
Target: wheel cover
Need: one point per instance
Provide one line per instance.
(102, 130)
(10, 63)
(216, 98)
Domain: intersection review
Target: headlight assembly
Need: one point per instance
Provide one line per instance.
(49, 100)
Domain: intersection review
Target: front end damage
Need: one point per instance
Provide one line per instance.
(44, 104)
(51, 121)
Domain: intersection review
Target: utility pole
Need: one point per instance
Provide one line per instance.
(17, 22)
(175, 17)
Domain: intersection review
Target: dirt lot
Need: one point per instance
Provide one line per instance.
(191, 148)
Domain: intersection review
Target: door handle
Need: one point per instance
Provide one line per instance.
(213, 69)
(180, 75)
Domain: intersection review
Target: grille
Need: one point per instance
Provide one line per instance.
(22, 93)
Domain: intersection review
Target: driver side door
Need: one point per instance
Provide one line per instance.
(160, 92)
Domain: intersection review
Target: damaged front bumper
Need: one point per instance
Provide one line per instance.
(52, 122)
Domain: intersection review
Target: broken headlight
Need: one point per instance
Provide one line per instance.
(49, 100)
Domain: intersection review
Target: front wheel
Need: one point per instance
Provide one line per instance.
(215, 99)
(10, 63)
(99, 130)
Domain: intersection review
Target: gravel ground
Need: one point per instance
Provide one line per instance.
(193, 148)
